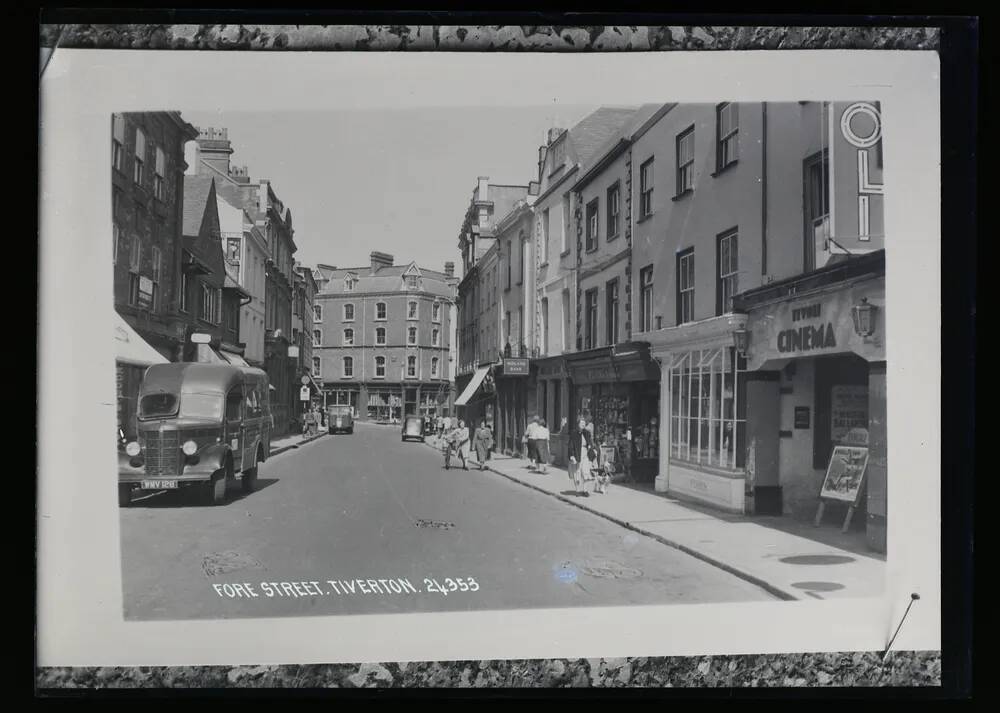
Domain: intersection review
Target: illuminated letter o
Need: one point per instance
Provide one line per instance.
(852, 138)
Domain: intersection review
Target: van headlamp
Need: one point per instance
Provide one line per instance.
(189, 448)
(133, 449)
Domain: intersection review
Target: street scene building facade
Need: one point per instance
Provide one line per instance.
(690, 297)
(382, 338)
(708, 285)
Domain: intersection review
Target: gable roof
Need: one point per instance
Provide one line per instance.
(626, 132)
(197, 190)
(591, 132)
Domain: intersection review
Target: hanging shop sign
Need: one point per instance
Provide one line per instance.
(515, 367)
(817, 325)
(304, 393)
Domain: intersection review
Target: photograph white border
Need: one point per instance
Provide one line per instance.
(79, 612)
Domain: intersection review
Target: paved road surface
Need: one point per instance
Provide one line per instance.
(347, 507)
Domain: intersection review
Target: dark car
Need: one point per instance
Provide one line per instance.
(413, 427)
(339, 419)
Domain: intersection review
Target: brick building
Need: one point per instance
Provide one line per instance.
(147, 173)
(382, 338)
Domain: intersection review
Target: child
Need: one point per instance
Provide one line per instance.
(602, 476)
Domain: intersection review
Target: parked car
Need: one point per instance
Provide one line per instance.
(198, 426)
(413, 427)
(339, 419)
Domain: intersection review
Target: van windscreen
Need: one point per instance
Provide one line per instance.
(157, 405)
(207, 406)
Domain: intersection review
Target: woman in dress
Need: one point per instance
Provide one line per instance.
(483, 443)
(542, 447)
(580, 443)
(461, 441)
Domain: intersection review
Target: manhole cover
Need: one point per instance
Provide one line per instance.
(818, 586)
(228, 561)
(611, 570)
(817, 559)
(435, 524)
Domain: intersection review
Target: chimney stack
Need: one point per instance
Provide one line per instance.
(449, 269)
(214, 148)
(542, 150)
(380, 260)
(240, 174)
(483, 189)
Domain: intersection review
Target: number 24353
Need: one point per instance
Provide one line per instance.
(452, 585)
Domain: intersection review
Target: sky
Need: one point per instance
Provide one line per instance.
(396, 181)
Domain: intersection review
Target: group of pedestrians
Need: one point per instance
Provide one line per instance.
(584, 460)
(457, 441)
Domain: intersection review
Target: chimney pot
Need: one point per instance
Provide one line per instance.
(449, 269)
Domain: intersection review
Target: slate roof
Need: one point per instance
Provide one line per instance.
(197, 190)
(591, 132)
(626, 131)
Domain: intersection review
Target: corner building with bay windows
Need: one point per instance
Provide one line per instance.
(381, 338)
(758, 284)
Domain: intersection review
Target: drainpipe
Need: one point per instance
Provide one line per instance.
(763, 193)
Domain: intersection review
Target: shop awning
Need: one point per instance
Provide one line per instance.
(130, 348)
(474, 383)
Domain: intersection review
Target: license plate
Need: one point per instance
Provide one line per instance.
(159, 485)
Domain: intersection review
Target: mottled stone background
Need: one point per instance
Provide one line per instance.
(904, 668)
(911, 668)
(477, 37)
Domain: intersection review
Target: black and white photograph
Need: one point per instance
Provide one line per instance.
(606, 351)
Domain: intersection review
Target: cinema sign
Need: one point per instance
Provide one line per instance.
(815, 325)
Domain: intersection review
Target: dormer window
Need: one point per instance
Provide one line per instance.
(412, 282)
(349, 283)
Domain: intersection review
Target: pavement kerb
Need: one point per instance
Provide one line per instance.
(736, 572)
(290, 446)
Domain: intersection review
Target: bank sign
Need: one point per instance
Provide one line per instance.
(816, 326)
(515, 367)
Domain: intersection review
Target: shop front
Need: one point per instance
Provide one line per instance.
(133, 355)
(816, 397)
(703, 398)
(616, 391)
(552, 392)
(516, 403)
(385, 403)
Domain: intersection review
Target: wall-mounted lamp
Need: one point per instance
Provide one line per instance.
(741, 340)
(864, 318)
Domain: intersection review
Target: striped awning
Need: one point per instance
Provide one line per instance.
(474, 383)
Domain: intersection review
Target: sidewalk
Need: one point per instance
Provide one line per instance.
(783, 556)
(295, 440)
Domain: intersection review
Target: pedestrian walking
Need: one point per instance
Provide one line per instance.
(581, 456)
(448, 446)
(462, 447)
(542, 447)
(530, 441)
(483, 443)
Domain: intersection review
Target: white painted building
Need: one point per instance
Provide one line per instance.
(245, 249)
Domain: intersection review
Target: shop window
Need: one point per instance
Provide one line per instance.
(841, 396)
(708, 408)
(616, 409)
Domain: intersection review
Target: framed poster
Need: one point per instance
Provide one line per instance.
(845, 474)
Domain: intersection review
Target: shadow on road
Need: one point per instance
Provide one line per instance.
(194, 496)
